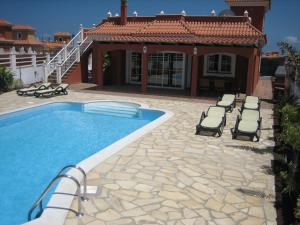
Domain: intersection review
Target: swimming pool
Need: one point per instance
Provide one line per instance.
(36, 143)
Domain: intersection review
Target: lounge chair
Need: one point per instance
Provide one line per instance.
(248, 124)
(32, 89)
(214, 120)
(251, 102)
(228, 101)
(60, 89)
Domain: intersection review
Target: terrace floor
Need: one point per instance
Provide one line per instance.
(170, 176)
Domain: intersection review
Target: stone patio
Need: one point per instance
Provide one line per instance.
(170, 176)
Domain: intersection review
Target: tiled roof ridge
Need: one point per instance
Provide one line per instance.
(184, 24)
(145, 27)
(23, 27)
(4, 22)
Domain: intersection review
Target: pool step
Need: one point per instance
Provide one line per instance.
(112, 109)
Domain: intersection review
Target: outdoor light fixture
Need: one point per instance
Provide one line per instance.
(145, 49)
(195, 50)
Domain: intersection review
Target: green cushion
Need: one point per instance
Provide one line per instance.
(248, 126)
(211, 122)
(29, 89)
(45, 91)
(250, 115)
(224, 103)
(250, 105)
(216, 111)
(228, 97)
(252, 99)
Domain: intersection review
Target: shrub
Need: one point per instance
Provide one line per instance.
(17, 84)
(297, 209)
(6, 79)
(289, 114)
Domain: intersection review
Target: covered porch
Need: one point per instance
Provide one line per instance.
(191, 69)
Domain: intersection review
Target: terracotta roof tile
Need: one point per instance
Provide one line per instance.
(27, 42)
(63, 34)
(4, 23)
(188, 29)
(51, 44)
(23, 27)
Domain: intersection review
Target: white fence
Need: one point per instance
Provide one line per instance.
(26, 66)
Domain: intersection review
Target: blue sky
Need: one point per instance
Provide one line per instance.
(50, 16)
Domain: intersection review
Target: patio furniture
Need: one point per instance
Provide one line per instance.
(204, 84)
(214, 120)
(251, 102)
(32, 89)
(228, 101)
(248, 124)
(60, 89)
(219, 85)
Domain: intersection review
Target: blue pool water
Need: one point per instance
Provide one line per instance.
(36, 143)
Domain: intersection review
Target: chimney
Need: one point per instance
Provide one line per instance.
(123, 12)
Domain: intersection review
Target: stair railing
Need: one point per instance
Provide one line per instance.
(55, 64)
(73, 57)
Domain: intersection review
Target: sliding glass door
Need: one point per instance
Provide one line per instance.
(165, 69)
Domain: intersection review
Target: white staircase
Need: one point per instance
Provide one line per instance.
(70, 54)
(119, 109)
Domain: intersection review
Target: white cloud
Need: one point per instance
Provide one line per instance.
(292, 39)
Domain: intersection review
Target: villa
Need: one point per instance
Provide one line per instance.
(182, 52)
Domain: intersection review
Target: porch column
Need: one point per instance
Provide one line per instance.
(194, 80)
(250, 75)
(144, 69)
(98, 66)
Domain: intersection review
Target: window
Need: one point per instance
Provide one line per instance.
(226, 64)
(136, 70)
(213, 63)
(19, 35)
(219, 65)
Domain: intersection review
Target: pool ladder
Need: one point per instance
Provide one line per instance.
(62, 175)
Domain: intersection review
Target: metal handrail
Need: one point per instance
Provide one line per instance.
(61, 175)
(61, 51)
(84, 198)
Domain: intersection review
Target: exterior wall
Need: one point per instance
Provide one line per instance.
(62, 38)
(6, 32)
(75, 76)
(30, 74)
(117, 72)
(257, 14)
(241, 71)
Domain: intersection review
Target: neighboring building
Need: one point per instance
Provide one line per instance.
(180, 51)
(23, 37)
(62, 37)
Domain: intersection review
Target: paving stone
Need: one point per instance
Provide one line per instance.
(177, 196)
(143, 187)
(214, 205)
(133, 212)
(225, 221)
(108, 215)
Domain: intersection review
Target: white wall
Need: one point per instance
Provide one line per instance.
(30, 74)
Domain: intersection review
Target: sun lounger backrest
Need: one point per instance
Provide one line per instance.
(216, 111)
(252, 99)
(228, 97)
(250, 115)
(63, 86)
